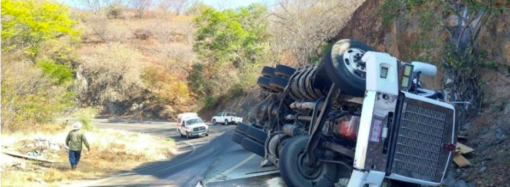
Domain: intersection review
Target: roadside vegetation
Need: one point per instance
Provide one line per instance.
(112, 151)
(41, 69)
(149, 59)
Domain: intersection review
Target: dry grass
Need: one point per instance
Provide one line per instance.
(111, 151)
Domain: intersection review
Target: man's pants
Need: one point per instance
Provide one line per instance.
(74, 157)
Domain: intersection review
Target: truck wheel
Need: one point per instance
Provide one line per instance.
(238, 137)
(278, 83)
(213, 122)
(296, 173)
(263, 82)
(242, 128)
(284, 71)
(256, 134)
(253, 146)
(345, 68)
(267, 71)
(187, 135)
(179, 131)
(226, 122)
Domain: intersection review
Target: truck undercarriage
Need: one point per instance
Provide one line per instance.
(355, 114)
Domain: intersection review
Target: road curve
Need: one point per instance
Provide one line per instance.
(212, 161)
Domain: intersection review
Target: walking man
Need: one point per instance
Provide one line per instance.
(74, 141)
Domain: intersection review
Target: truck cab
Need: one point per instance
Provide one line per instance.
(402, 135)
(190, 125)
(226, 118)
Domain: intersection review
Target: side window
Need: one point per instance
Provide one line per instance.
(219, 114)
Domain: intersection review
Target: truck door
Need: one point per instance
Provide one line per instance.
(182, 127)
(223, 117)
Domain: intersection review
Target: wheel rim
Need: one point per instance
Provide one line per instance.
(306, 171)
(352, 60)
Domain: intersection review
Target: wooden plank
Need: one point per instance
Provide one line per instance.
(460, 160)
(14, 154)
(462, 137)
(463, 148)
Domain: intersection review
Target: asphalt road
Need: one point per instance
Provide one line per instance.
(208, 161)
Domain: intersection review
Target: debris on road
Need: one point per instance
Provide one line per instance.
(38, 149)
(11, 153)
(461, 150)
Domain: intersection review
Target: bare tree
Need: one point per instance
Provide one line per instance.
(175, 43)
(141, 6)
(300, 27)
(169, 6)
(98, 6)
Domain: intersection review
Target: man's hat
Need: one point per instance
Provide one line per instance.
(77, 126)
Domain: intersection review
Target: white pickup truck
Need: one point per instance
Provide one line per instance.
(226, 118)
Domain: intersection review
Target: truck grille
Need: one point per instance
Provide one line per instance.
(199, 129)
(423, 130)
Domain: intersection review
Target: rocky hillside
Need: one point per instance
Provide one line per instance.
(431, 31)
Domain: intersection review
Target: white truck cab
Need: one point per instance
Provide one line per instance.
(418, 156)
(190, 125)
(226, 118)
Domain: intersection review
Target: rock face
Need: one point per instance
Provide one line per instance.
(420, 34)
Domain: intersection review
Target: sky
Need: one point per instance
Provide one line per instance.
(219, 4)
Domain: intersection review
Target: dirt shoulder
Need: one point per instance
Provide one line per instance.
(489, 136)
(112, 151)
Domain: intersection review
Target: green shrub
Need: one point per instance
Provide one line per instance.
(210, 101)
(85, 116)
(29, 95)
(61, 73)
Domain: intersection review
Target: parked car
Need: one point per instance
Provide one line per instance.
(226, 118)
(190, 125)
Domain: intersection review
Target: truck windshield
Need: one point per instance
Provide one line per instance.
(194, 121)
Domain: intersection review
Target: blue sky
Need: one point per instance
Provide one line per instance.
(220, 4)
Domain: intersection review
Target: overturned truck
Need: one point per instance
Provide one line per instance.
(356, 114)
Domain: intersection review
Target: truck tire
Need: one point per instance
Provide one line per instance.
(238, 137)
(253, 146)
(226, 122)
(284, 71)
(256, 134)
(278, 83)
(242, 128)
(267, 71)
(214, 122)
(263, 82)
(344, 66)
(292, 167)
(179, 131)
